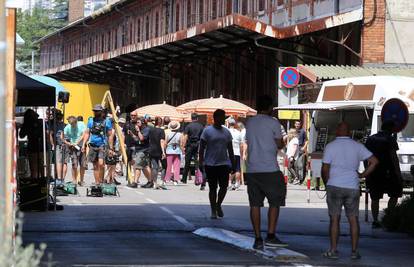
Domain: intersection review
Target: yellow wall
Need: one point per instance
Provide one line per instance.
(83, 96)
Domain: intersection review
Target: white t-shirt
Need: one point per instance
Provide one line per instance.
(344, 156)
(216, 149)
(237, 140)
(261, 132)
(291, 147)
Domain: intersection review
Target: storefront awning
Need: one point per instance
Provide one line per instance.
(329, 106)
(331, 72)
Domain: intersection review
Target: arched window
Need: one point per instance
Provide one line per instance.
(189, 23)
(147, 29)
(177, 17)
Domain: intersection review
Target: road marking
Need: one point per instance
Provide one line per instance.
(139, 193)
(178, 218)
(151, 201)
(167, 210)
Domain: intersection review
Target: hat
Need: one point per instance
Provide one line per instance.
(121, 120)
(98, 107)
(174, 125)
(231, 121)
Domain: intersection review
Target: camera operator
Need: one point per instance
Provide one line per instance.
(73, 138)
(99, 134)
(137, 141)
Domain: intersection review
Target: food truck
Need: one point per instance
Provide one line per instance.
(358, 101)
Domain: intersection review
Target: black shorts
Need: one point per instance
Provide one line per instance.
(217, 175)
(378, 186)
(237, 159)
(270, 185)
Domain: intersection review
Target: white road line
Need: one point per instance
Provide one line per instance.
(167, 210)
(126, 187)
(151, 201)
(139, 193)
(184, 221)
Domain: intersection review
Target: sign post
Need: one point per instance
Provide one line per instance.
(288, 79)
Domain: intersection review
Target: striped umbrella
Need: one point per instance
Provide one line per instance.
(190, 107)
(162, 110)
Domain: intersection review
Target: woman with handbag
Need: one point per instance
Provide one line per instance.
(173, 152)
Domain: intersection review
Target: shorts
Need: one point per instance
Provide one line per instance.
(141, 159)
(270, 185)
(62, 154)
(96, 153)
(78, 158)
(378, 186)
(217, 176)
(238, 166)
(336, 197)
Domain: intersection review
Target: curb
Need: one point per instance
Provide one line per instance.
(245, 243)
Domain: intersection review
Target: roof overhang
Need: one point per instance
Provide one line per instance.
(330, 106)
(223, 32)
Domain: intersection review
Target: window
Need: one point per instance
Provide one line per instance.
(261, 5)
(201, 11)
(177, 17)
(214, 9)
(139, 30)
(189, 23)
(157, 24)
(228, 7)
(244, 7)
(147, 29)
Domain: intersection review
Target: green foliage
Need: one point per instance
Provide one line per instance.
(400, 218)
(35, 24)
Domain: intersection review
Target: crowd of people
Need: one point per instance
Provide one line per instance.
(225, 155)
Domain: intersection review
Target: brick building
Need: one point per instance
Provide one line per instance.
(179, 50)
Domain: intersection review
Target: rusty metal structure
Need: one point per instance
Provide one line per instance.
(178, 50)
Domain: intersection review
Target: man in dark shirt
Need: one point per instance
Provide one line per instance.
(62, 152)
(191, 142)
(156, 151)
(387, 176)
(137, 141)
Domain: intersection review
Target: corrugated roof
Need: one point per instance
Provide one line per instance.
(332, 72)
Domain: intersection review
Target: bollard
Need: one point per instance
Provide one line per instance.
(309, 179)
(285, 169)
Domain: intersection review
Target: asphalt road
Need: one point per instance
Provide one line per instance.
(152, 227)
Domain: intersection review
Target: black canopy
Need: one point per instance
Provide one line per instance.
(32, 93)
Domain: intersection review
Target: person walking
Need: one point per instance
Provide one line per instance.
(216, 158)
(340, 164)
(301, 160)
(264, 178)
(191, 143)
(173, 150)
(292, 154)
(387, 176)
(73, 135)
(157, 152)
(237, 141)
(62, 151)
(98, 135)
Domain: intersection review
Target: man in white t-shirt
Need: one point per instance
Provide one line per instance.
(216, 156)
(264, 179)
(237, 143)
(340, 164)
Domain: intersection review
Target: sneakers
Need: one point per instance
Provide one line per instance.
(132, 185)
(202, 187)
(333, 255)
(213, 214)
(148, 185)
(274, 242)
(376, 225)
(220, 212)
(116, 182)
(355, 255)
(162, 187)
(183, 181)
(258, 244)
(175, 183)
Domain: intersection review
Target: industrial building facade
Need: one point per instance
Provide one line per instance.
(150, 51)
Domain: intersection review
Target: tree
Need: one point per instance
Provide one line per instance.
(35, 24)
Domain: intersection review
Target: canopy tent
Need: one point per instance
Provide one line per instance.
(32, 93)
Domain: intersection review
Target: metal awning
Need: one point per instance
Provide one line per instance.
(331, 72)
(329, 106)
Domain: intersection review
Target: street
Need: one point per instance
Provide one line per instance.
(154, 227)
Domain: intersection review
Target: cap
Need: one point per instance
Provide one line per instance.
(98, 107)
(231, 121)
(121, 120)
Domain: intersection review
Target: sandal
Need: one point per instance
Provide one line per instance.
(355, 255)
(333, 255)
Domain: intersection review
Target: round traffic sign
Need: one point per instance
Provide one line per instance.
(396, 111)
(290, 77)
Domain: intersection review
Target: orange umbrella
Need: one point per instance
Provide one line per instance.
(231, 107)
(162, 110)
(190, 107)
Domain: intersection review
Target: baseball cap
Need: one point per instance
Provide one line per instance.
(98, 107)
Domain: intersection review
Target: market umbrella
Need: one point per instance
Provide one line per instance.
(190, 107)
(162, 110)
(208, 106)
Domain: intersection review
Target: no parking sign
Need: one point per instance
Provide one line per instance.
(289, 77)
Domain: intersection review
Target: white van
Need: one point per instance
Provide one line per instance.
(359, 102)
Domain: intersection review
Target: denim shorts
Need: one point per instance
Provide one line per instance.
(336, 197)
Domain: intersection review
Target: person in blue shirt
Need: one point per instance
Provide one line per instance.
(99, 135)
